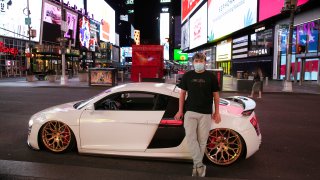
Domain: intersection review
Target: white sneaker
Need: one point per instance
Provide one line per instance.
(194, 172)
(201, 171)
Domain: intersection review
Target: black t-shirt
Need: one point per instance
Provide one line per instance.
(200, 88)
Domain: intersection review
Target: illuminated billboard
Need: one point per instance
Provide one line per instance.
(269, 8)
(198, 27)
(185, 36)
(12, 18)
(187, 7)
(84, 32)
(104, 14)
(226, 17)
(179, 56)
(51, 24)
(224, 50)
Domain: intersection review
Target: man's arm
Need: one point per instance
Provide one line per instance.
(216, 115)
(182, 97)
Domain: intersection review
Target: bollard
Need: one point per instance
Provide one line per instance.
(175, 78)
(267, 81)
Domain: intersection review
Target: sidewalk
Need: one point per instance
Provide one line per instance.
(229, 84)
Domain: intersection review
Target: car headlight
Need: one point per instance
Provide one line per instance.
(30, 123)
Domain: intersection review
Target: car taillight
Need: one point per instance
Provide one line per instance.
(255, 124)
(247, 113)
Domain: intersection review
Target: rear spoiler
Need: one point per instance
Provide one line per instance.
(247, 103)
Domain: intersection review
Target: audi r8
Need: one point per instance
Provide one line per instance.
(137, 119)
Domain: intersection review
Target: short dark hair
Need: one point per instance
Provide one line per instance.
(199, 56)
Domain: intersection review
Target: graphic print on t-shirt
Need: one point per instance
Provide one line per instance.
(198, 82)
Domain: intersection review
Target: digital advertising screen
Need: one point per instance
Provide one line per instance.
(226, 17)
(52, 23)
(269, 8)
(104, 14)
(12, 18)
(115, 54)
(94, 35)
(179, 55)
(126, 51)
(185, 36)
(224, 50)
(187, 7)
(198, 27)
(84, 32)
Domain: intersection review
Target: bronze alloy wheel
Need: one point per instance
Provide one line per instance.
(56, 136)
(224, 146)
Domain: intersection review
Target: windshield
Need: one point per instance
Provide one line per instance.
(83, 103)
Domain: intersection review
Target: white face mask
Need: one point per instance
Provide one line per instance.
(198, 67)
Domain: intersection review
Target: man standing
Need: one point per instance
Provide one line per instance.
(202, 88)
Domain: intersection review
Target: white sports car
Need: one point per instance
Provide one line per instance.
(136, 119)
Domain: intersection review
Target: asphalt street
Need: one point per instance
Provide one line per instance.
(289, 124)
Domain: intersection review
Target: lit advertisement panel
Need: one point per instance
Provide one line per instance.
(187, 7)
(224, 50)
(84, 32)
(198, 27)
(185, 36)
(94, 35)
(164, 34)
(103, 13)
(52, 22)
(269, 8)
(225, 16)
(179, 56)
(12, 18)
(126, 51)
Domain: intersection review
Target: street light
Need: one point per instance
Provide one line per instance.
(289, 6)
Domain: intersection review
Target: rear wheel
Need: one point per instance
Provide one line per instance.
(57, 137)
(224, 146)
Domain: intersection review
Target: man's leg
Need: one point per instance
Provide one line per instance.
(190, 125)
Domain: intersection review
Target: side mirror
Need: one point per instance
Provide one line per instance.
(90, 108)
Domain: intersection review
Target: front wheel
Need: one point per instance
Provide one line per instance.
(57, 137)
(224, 146)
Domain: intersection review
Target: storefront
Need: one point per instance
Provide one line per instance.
(305, 47)
(253, 51)
(12, 57)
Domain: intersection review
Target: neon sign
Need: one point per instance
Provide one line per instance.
(13, 51)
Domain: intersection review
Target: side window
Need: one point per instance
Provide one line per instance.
(112, 102)
(172, 107)
(139, 101)
(133, 101)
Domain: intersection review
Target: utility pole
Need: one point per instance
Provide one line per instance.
(29, 39)
(289, 6)
(62, 45)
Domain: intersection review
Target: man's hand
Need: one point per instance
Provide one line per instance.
(216, 117)
(178, 116)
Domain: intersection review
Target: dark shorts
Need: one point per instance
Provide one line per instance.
(257, 86)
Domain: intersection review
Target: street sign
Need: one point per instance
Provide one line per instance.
(27, 21)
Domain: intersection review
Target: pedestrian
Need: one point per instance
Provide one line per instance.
(257, 85)
(202, 89)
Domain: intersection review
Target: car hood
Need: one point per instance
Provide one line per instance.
(64, 112)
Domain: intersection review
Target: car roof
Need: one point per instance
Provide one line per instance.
(162, 88)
